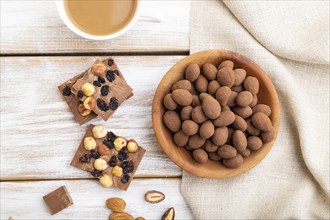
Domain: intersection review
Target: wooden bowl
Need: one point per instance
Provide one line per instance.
(182, 157)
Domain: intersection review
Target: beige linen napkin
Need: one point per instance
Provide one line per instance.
(290, 41)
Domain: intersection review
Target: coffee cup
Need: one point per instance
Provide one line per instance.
(79, 16)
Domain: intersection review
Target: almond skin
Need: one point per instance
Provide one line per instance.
(154, 196)
(116, 204)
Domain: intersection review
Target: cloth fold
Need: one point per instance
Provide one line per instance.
(290, 41)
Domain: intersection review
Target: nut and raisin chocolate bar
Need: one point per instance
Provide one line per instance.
(105, 154)
(110, 91)
(75, 105)
(103, 88)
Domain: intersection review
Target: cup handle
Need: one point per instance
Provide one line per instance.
(146, 18)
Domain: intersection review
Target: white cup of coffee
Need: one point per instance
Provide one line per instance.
(99, 19)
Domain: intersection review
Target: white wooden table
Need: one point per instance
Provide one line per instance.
(38, 134)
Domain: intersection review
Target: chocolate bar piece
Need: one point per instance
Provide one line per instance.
(102, 88)
(58, 200)
(74, 103)
(120, 157)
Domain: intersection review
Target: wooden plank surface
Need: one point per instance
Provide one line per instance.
(23, 200)
(38, 134)
(35, 27)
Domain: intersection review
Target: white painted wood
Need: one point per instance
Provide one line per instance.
(35, 27)
(23, 200)
(38, 134)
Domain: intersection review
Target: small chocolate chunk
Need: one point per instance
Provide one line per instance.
(125, 178)
(97, 83)
(58, 200)
(110, 75)
(66, 91)
(102, 105)
(105, 90)
(113, 104)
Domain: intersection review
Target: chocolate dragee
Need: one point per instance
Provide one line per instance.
(108, 157)
(80, 114)
(102, 88)
(58, 200)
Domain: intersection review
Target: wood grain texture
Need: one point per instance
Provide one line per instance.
(183, 158)
(23, 200)
(38, 134)
(35, 27)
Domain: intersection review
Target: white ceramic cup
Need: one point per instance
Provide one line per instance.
(61, 10)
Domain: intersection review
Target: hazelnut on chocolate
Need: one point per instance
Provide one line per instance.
(120, 143)
(82, 110)
(88, 89)
(99, 131)
(89, 103)
(117, 171)
(98, 69)
(89, 143)
(100, 164)
(132, 146)
(106, 181)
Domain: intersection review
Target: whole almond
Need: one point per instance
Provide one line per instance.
(154, 196)
(182, 84)
(169, 214)
(120, 216)
(116, 204)
(201, 84)
(192, 72)
(240, 75)
(261, 121)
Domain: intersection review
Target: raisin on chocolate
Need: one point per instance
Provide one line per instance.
(127, 166)
(113, 104)
(101, 79)
(105, 90)
(109, 144)
(66, 91)
(97, 83)
(102, 105)
(110, 75)
(111, 136)
(116, 72)
(95, 154)
(122, 155)
(96, 173)
(113, 160)
(80, 94)
(86, 158)
(110, 62)
(125, 178)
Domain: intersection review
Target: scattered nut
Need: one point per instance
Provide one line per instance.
(89, 143)
(120, 216)
(106, 181)
(132, 146)
(82, 110)
(116, 204)
(169, 214)
(88, 89)
(100, 164)
(120, 143)
(154, 196)
(89, 103)
(99, 131)
(117, 171)
(98, 69)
